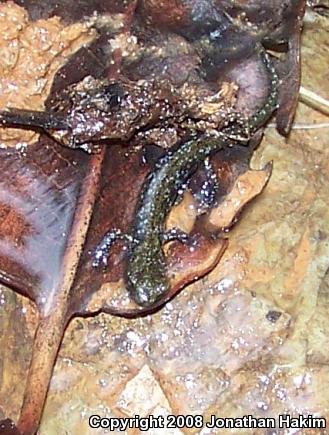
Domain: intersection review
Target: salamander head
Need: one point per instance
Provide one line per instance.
(146, 277)
(148, 290)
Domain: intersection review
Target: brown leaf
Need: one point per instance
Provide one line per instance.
(46, 209)
(246, 188)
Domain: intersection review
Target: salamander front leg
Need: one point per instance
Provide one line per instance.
(101, 252)
(174, 234)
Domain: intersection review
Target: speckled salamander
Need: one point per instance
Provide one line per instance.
(147, 279)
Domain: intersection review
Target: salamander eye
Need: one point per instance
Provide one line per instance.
(113, 94)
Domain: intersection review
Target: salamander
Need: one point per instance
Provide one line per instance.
(146, 275)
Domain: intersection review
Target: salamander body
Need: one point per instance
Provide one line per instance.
(147, 279)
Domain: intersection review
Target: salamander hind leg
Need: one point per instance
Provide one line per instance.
(102, 250)
(174, 234)
(237, 128)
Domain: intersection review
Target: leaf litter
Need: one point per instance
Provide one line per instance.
(183, 348)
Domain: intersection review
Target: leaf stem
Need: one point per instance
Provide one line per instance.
(47, 341)
(56, 313)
